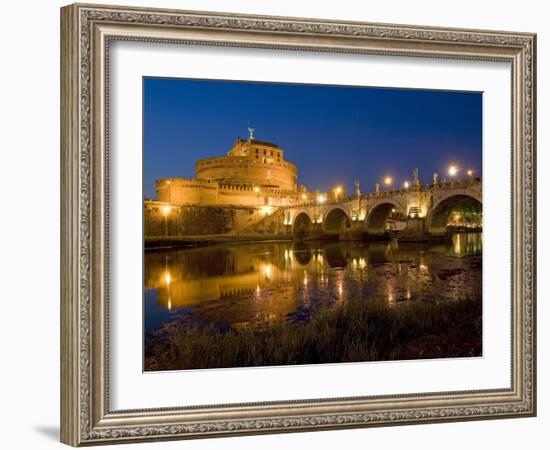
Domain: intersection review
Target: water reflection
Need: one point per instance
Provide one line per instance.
(253, 285)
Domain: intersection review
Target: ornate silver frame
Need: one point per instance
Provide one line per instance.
(86, 31)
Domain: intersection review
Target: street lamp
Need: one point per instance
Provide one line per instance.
(321, 199)
(470, 172)
(337, 192)
(406, 185)
(453, 170)
(388, 181)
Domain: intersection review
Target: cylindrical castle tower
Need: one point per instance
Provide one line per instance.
(249, 163)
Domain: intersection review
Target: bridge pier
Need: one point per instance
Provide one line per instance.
(415, 231)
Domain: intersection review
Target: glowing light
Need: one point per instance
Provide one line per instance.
(256, 189)
(388, 181)
(304, 196)
(452, 171)
(169, 303)
(406, 185)
(166, 210)
(167, 278)
(470, 172)
(321, 199)
(457, 244)
(267, 270)
(266, 210)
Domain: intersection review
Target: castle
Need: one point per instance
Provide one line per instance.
(253, 191)
(253, 173)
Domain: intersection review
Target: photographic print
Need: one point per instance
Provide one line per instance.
(294, 224)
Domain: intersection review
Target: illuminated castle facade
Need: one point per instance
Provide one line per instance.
(253, 173)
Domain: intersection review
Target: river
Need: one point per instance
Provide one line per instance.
(253, 285)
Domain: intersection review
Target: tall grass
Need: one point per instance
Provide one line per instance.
(354, 331)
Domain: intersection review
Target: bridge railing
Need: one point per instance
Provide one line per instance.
(449, 184)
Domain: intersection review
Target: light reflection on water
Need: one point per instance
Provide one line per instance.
(253, 285)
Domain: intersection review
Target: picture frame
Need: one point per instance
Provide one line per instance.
(87, 31)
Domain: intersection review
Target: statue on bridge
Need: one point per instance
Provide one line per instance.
(416, 178)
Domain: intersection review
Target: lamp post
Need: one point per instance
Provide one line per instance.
(337, 191)
(320, 201)
(388, 181)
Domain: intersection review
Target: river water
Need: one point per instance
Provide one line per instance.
(257, 284)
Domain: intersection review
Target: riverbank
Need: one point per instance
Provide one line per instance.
(352, 332)
(158, 242)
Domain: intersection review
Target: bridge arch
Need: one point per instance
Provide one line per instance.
(441, 211)
(378, 214)
(335, 220)
(302, 253)
(302, 223)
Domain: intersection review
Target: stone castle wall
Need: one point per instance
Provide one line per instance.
(244, 171)
(160, 220)
(178, 191)
(182, 191)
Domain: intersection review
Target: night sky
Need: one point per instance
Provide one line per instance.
(334, 134)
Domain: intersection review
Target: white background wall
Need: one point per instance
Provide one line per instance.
(29, 225)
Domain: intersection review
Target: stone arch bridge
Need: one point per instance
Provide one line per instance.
(423, 212)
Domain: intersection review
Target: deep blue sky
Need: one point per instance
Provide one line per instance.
(334, 134)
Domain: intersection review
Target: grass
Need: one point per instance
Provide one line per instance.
(355, 331)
